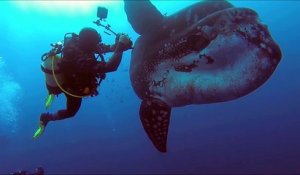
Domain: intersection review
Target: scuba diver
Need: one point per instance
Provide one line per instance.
(78, 73)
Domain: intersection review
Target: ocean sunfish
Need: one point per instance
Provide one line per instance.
(206, 53)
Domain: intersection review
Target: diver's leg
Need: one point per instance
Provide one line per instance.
(73, 105)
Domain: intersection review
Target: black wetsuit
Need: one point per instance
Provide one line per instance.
(80, 70)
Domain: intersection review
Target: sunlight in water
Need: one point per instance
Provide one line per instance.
(66, 7)
(10, 92)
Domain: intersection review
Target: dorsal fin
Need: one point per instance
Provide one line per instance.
(143, 15)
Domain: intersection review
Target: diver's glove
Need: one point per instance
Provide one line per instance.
(124, 43)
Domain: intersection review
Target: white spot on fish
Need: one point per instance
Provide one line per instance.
(172, 32)
(263, 45)
(270, 50)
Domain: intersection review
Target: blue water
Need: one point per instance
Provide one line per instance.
(259, 133)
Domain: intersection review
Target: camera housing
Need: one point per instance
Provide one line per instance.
(102, 13)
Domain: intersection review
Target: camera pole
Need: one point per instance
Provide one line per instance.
(107, 27)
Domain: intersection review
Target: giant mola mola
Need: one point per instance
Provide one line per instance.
(206, 53)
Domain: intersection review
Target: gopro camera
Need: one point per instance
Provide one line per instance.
(102, 13)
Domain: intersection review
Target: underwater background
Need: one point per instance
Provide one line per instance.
(258, 133)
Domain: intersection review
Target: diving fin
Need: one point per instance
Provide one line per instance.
(155, 117)
(45, 118)
(39, 132)
(49, 100)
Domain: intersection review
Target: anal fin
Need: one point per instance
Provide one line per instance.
(155, 117)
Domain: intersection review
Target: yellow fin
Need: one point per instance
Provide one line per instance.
(49, 100)
(39, 132)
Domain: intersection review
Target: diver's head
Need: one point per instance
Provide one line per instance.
(89, 39)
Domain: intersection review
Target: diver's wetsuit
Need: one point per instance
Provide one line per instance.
(80, 69)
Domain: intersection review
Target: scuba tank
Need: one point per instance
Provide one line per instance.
(53, 75)
(47, 69)
(52, 59)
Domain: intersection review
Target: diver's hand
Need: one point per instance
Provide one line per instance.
(118, 37)
(125, 40)
(124, 43)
